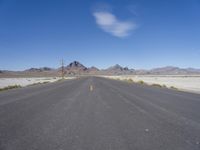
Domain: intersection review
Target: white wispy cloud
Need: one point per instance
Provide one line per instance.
(109, 23)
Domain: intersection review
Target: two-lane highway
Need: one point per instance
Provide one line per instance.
(94, 113)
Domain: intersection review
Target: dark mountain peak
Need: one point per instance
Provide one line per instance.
(76, 67)
(126, 68)
(76, 64)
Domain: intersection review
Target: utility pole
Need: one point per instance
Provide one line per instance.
(62, 74)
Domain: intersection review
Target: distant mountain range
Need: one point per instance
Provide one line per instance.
(174, 70)
(76, 68)
(38, 69)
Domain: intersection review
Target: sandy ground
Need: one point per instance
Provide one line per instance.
(183, 82)
(4, 82)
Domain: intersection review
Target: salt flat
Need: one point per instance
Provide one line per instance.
(182, 82)
(4, 82)
(189, 83)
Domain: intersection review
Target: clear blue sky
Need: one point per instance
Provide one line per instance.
(134, 33)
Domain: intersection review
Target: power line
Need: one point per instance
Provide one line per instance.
(62, 73)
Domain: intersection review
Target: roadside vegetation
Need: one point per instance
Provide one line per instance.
(159, 85)
(142, 82)
(128, 80)
(10, 87)
(174, 88)
(39, 83)
(125, 80)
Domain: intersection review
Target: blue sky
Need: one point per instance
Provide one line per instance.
(134, 33)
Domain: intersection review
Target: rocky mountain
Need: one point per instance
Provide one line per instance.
(118, 70)
(116, 67)
(93, 70)
(75, 67)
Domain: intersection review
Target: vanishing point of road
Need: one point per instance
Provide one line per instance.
(94, 113)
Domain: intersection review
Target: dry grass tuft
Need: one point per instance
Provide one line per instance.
(10, 87)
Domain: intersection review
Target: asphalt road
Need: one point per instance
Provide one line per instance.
(98, 114)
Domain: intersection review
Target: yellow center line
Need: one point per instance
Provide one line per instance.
(91, 88)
